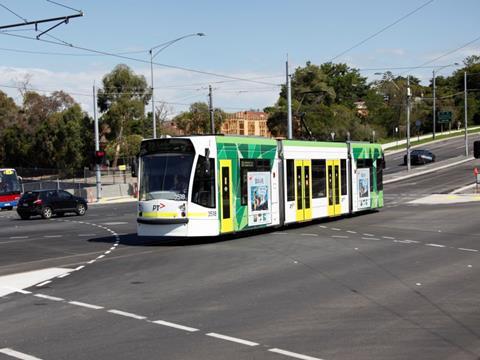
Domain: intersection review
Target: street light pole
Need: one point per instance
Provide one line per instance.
(289, 105)
(160, 48)
(465, 111)
(409, 94)
(434, 105)
(98, 178)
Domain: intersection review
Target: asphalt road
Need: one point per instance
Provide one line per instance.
(443, 150)
(401, 283)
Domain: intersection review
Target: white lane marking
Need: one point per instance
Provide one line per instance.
(292, 354)
(63, 275)
(306, 234)
(91, 261)
(340, 236)
(48, 297)
(368, 234)
(335, 229)
(388, 237)
(460, 147)
(233, 339)
(173, 325)
(322, 226)
(435, 245)
(370, 238)
(53, 236)
(21, 291)
(90, 306)
(100, 257)
(44, 283)
(351, 232)
(82, 235)
(27, 279)
(418, 284)
(280, 233)
(108, 252)
(409, 241)
(18, 237)
(18, 354)
(79, 268)
(127, 314)
(466, 249)
(116, 223)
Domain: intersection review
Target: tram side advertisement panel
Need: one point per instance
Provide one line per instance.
(259, 198)
(363, 179)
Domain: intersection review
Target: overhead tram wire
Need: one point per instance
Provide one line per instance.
(381, 30)
(65, 6)
(140, 60)
(14, 13)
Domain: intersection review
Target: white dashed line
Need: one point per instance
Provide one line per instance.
(388, 237)
(340, 236)
(116, 223)
(407, 241)
(48, 297)
(52, 236)
(100, 257)
(351, 232)
(370, 238)
(466, 249)
(280, 233)
(85, 235)
(18, 237)
(435, 245)
(91, 261)
(127, 314)
(63, 275)
(368, 235)
(79, 268)
(335, 229)
(173, 325)
(233, 339)
(44, 283)
(89, 306)
(108, 252)
(322, 226)
(306, 234)
(17, 354)
(292, 354)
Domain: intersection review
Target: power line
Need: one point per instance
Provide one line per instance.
(140, 60)
(14, 13)
(65, 6)
(381, 30)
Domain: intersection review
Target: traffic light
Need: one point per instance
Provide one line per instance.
(99, 156)
(476, 149)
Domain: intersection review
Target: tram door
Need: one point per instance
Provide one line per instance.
(303, 189)
(333, 187)
(226, 204)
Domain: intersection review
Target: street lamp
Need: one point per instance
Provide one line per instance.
(434, 96)
(159, 48)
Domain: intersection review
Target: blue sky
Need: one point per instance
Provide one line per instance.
(248, 39)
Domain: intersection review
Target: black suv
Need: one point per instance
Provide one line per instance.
(49, 202)
(420, 157)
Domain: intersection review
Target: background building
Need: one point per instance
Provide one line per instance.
(246, 123)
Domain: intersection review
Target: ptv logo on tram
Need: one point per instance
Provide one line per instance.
(158, 207)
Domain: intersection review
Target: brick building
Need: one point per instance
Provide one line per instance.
(246, 123)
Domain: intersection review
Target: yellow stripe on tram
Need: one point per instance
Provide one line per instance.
(154, 214)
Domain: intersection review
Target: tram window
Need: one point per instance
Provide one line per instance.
(247, 165)
(380, 166)
(290, 180)
(319, 181)
(203, 192)
(343, 176)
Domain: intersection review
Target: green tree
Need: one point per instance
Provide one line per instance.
(197, 119)
(122, 101)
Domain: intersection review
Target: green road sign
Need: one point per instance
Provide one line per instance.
(444, 117)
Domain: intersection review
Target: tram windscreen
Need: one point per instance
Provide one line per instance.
(165, 176)
(9, 183)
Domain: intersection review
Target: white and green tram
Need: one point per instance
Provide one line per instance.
(200, 186)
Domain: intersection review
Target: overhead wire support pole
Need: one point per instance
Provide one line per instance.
(62, 19)
(289, 104)
(408, 123)
(434, 105)
(154, 119)
(466, 113)
(210, 108)
(98, 178)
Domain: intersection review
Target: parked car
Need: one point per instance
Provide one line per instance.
(47, 203)
(418, 156)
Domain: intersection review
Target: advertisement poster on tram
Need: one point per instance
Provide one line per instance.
(363, 178)
(259, 198)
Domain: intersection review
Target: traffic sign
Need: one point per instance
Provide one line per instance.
(444, 117)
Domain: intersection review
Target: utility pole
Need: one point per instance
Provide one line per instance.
(409, 94)
(289, 103)
(98, 178)
(434, 105)
(153, 98)
(210, 108)
(466, 114)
